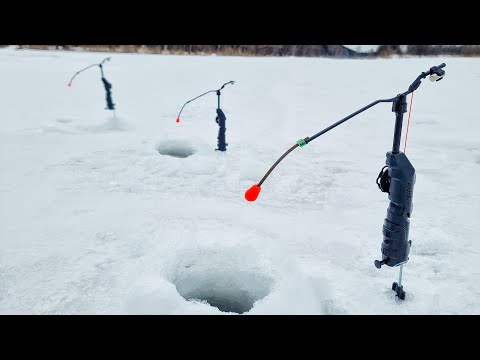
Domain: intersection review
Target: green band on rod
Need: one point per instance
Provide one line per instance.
(301, 142)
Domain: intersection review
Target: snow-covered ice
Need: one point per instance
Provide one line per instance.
(95, 220)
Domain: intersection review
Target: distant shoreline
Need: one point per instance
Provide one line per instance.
(325, 51)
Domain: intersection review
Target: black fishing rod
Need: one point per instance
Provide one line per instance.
(397, 179)
(220, 119)
(106, 84)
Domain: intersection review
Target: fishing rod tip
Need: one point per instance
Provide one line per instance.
(178, 120)
(252, 193)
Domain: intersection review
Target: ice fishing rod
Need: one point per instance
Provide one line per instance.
(220, 119)
(397, 179)
(106, 84)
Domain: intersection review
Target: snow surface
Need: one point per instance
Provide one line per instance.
(95, 221)
(362, 48)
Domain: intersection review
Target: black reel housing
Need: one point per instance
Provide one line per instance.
(220, 120)
(398, 181)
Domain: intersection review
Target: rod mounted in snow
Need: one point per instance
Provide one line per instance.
(397, 178)
(106, 84)
(220, 119)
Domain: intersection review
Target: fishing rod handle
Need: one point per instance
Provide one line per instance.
(221, 141)
(401, 179)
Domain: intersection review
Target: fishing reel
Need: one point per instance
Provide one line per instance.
(107, 85)
(397, 178)
(220, 119)
(383, 180)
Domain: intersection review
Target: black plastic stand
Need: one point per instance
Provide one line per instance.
(220, 120)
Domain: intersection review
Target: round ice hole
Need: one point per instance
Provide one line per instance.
(229, 291)
(176, 149)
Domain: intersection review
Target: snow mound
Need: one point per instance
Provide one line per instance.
(176, 148)
(71, 126)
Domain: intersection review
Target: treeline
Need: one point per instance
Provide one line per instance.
(338, 51)
(462, 50)
(262, 50)
(245, 50)
(429, 50)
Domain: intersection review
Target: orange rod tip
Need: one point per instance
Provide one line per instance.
(252, 193)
